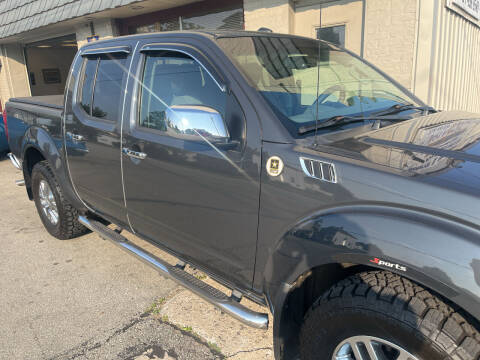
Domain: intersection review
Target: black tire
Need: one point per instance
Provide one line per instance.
(386, 306)
(67, 226)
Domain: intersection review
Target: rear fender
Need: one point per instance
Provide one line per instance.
(52, 150)
(439, 253)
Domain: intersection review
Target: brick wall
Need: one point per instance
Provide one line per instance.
(390, 30)
(277, 15)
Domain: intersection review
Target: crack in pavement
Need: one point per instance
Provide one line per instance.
(175, 345)
(98, 344)
(247, 351)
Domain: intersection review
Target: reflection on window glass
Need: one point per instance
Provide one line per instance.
(172, 78)
(333, 34)
(304, 79)
(87, 81)
(108, 88)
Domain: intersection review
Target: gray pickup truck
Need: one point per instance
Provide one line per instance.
(288, 169)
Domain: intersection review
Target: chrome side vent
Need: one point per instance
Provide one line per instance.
(319, 170)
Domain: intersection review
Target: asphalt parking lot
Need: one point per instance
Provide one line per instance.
(87, 299)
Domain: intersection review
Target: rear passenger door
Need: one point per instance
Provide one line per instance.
(196, 197)
(92, 132)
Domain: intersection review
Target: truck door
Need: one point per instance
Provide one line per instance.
(191, 176)
(92, 132)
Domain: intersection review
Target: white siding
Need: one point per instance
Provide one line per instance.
(455, 65)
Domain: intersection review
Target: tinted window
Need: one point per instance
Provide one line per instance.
(90, 68)
(172, 78)
(108, 88)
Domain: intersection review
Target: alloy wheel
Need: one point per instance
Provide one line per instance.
(370, 348)
(47, 202)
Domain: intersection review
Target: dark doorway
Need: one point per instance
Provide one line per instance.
(48, 63)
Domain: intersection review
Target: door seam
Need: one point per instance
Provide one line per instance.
(121, 137)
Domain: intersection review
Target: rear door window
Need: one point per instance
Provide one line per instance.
(108, 88)
(90, 68)
(102, 86)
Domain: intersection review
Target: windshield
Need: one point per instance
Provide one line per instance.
(301, 78)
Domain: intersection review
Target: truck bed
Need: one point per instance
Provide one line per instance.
(43, 112)
(51, 101)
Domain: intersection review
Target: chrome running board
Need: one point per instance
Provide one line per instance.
(14, 161)
(227, 304)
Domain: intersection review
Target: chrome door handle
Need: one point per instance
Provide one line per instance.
(76, 137)
(134, 154)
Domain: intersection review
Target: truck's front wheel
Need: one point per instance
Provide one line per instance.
(58, 216)
(380, 315)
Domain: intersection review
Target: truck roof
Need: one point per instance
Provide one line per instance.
(212, 34)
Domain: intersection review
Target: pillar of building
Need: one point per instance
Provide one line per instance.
(13, 73)
(276, 15)
(103, 28)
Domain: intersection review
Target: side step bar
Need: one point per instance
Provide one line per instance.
(202, 289)
(15, 161)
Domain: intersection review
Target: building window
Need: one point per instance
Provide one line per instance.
(206, 15)
(220, 20)
(164, 25)
(333, 34)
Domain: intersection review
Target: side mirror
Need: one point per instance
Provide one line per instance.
(197, 123)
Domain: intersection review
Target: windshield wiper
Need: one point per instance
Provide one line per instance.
(403, 107)
(343, 120)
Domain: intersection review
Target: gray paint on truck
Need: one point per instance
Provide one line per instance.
(404, 201)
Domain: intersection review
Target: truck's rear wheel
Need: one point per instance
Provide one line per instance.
(58, 216)
(380, 315)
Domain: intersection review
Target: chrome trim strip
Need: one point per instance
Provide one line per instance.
(224, 303)
(108, 50)
(154, 47)
(17, 163)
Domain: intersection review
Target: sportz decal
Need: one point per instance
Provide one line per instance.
(389, 264)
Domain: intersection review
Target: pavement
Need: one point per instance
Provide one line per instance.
(87, 299)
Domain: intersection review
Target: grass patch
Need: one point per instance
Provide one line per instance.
(156, 307)
(214, 347)
(187, 329)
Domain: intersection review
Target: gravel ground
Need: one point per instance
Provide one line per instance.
(87, 299)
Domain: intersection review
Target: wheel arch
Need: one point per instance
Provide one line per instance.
(39, 145)
(31, 157)
(308, 260)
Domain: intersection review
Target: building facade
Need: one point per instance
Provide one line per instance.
(431, 47)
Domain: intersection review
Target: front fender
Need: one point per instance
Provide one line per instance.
(52, 150)
(440, 253)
